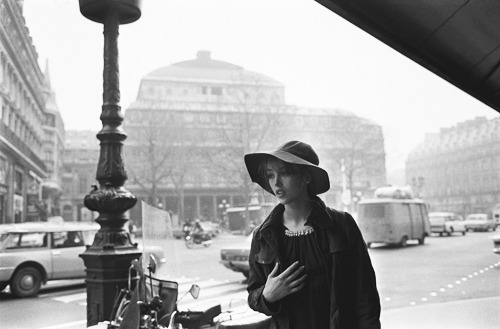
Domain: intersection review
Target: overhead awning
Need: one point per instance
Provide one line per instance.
(458, 40)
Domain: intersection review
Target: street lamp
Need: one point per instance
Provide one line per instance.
(223, 207)
(108, 258)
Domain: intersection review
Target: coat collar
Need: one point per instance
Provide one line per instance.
(322, 216)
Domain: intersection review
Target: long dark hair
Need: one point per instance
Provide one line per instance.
(290, 169)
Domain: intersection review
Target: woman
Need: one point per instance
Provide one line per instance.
(309, 265)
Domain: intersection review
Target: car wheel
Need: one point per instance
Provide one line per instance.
(422, 239)
(3, 285)
(26, 282)
(404, 241)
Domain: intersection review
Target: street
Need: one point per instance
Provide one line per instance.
(444, 270)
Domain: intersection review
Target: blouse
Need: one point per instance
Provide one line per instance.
(309, 307)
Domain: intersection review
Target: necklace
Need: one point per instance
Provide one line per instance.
(307, 230)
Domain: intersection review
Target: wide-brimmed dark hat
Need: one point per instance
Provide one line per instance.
(295, 152)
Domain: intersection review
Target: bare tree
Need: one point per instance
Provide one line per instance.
(360, 149)
(251, 124)
(157, 158)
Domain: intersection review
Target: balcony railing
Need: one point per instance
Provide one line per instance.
(20, 145)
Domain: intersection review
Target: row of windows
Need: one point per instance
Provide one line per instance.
(20, 128)
(302, 124)
(463, 186)
(236, 95)
(19, 98)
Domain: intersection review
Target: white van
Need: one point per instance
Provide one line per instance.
(393, 221)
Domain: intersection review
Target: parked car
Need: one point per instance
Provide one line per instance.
(236, 257)
(479, 222)
(446, 223)
(33, 253)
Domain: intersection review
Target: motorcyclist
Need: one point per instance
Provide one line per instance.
(197, 229)
(186, 228)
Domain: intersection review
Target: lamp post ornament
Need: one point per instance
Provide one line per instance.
(108, 258)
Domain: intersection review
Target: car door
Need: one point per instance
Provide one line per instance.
(65, 249)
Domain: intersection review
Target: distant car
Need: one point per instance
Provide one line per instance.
(33, 253)
(496, 244)
(479, 222)
(236, 257)
(446, 223)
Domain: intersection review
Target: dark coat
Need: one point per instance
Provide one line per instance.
(354, 302)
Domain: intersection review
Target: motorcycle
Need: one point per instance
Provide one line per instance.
(154, 305)
(201, 238)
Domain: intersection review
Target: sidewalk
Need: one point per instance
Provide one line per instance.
(483, 313)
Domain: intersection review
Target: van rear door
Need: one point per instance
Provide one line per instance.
(417, 221)
(372, 221)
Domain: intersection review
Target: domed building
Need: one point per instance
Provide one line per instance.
(193, 121)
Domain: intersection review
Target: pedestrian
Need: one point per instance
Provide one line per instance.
(309, 264)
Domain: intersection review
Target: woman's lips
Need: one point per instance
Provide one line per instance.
(279, 193)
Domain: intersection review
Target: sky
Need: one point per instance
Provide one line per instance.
(323, 61)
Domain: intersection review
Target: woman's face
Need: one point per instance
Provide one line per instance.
(287, 187)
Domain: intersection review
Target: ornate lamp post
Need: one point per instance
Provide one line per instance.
(108, 259)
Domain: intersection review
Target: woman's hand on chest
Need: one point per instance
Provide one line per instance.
(281, 285)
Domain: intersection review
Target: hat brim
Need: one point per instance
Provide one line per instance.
(321, 181)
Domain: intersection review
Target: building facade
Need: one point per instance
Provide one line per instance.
(52, 150)
(458, 169)
(22, 118)
(81, 154)
(193, 121)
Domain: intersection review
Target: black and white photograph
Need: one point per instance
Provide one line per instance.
(238, 164)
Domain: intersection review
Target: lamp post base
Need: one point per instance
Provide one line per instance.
(107, 273)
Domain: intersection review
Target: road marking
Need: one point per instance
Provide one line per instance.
(457, 282)
(66, 325)
(71, 298)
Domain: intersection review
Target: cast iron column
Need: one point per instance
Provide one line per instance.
(108, 259)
